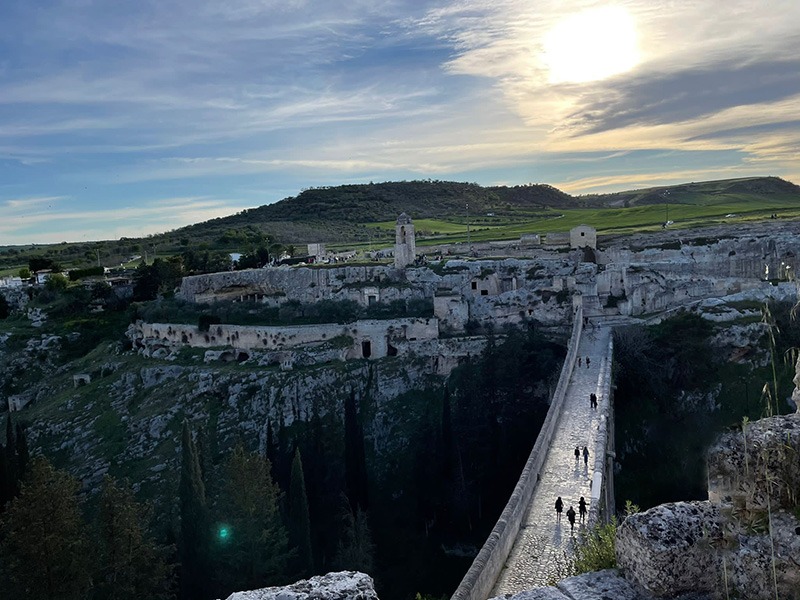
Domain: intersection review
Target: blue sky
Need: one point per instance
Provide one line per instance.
(129, 117)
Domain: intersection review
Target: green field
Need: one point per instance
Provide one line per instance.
(694, 210)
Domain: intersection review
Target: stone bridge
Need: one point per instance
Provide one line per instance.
(527, 546)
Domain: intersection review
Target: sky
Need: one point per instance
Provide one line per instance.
(130, 117)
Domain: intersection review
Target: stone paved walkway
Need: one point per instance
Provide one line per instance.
(537, 557)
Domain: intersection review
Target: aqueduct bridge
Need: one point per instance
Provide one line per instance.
(527, 545)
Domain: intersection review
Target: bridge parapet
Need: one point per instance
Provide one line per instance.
(480, 579)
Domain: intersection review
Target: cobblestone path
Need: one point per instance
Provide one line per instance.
(537, 557)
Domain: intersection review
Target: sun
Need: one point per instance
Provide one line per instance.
(591, 45)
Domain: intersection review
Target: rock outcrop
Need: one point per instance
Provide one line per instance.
(666, 549)
(346, 585)
(744, 542)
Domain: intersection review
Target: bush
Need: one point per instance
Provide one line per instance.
(56, 282)
(596, 549)
(205, 321)
(76, 274)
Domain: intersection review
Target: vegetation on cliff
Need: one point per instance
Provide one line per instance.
(676, 392)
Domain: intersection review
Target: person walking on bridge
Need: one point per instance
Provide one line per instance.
(593, 400)
(559, 508)
(571, 517)
(577, 453)
(582, 508)
(585, 455)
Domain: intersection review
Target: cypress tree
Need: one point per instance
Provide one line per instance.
(5, 492)
(131, 564)
(298, 519)
(354, 458)
(194, 545)
(253, 541)
(448, 447)
(43, 546)
(23, 455)
(12, 464)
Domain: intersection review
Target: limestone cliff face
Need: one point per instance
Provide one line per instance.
(128, 418)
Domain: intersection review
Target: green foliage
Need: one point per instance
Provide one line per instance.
(40, 263)
(665, 378)
(159, 278)
(56, 282)
(77, 274)
(43, 546)
(24, 273)
(499, 403)
(195, 538)
(596, 549)
(355, 462)
(299, 522)
(254, 549)
(205, 321)
(355, 551)
(131, 565)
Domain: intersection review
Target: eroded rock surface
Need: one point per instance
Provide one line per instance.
(345, 585)
(666, 549)
(757, 468)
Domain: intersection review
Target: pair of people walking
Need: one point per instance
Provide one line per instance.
(593, 400)
(585, 454)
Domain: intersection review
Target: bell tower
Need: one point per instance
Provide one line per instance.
(404, 247)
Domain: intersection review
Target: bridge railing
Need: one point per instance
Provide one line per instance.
(485, 570)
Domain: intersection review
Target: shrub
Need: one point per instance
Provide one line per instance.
(205, 321)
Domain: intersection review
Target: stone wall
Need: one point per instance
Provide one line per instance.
(367, 338)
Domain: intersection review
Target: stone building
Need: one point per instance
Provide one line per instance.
(404, 245)
(583, 236)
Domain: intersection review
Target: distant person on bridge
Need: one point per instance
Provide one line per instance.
(582, 508)
(579, 362)
(587, 362)
(593, 400)
(577, 453)
(571, 517)
(559, 508)
(585, 455)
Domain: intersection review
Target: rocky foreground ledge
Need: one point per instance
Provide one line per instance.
(346, 585)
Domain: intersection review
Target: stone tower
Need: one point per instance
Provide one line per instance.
(404, 248)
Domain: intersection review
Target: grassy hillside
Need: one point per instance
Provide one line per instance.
(363, 215)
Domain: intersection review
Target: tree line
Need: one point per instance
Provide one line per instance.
(317, 497)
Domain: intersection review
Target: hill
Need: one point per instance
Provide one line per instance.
(700, 193)
(365, 213)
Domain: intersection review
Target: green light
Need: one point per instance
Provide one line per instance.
(223, 533)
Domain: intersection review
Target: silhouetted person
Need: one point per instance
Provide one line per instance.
(571, 517)
(593, 400)
(588, 360)
(580, 364)
(585, 455)
(559, 508)
(577, 453)
(582, 508)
